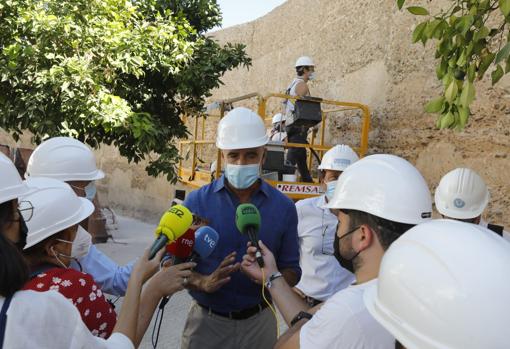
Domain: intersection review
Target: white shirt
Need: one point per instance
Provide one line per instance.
(49, 320)
(292, 92)
(344, 322)
(322, 276)
(278, 137)
(506, 235)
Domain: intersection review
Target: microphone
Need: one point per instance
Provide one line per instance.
(248, 222)
(206, 239)
(173, 224)
(182, 248)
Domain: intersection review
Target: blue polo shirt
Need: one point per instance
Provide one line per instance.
(278, 231)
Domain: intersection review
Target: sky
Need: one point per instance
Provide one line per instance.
(242, 11)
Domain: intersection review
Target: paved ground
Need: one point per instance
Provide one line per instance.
(131, 238)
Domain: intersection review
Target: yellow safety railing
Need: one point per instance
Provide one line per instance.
(196, 178)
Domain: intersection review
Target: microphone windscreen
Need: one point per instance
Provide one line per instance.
(174, 222)
(206, 239)
(183, 246)
(247, 216)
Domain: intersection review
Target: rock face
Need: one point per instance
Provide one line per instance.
(363, 53)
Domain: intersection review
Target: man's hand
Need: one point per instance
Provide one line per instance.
(250, 267)
(212, 283)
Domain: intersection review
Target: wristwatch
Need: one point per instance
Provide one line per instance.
(269, 282)
(299, 316)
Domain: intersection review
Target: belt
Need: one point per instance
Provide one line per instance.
(237, 315)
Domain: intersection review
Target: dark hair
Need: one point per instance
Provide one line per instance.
(387, 231)
(399, 345)
(301, 69)
(13, 268)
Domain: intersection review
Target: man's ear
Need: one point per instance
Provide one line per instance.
(367, 236)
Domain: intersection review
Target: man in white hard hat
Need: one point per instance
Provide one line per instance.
(228, 310)
(278, 133)
(376, 200)
(463, 195)
(305, 69)
(321, 276)
(444, 284)
(71, 161)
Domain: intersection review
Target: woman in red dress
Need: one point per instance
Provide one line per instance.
(51, 231)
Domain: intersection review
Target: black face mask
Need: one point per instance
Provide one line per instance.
(23, 232)
(345, 263)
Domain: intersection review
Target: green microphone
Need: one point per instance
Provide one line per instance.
(248, 222)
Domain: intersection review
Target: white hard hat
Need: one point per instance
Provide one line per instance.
(444, 284)
(11, 185)
(241, 128)
(63, 158)
(461, 194)
(55, 208)
(304, 61)
(385, 186)
(338, 158)
(277, 118)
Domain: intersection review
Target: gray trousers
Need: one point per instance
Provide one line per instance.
(209, 331)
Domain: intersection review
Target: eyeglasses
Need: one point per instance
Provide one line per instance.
(25, 211)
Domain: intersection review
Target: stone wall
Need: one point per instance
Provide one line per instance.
(363, 52)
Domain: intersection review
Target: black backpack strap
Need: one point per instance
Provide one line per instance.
(3, 319)
(498, 229)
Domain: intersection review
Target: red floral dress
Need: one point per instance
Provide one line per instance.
(80, 288)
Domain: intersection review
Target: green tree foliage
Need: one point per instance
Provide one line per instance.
(471, 37)
(111, 71)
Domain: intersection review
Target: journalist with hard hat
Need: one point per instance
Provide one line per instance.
(444, 284)
(463, 195)
(71, 161)
(31, 319)
(321, 276)
(52, 229)
(228, 310)
(305, 70)
(376, 200)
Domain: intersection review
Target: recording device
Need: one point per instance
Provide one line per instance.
(173, 224)
(206, 239)
(248, 222)
(182, 248)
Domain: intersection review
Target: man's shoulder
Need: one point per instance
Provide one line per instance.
(305, 203)
(201, 192)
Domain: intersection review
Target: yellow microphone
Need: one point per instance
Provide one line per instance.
(173, 224)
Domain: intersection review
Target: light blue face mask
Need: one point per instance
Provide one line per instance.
(90, 191)
(242, 176)
(330, 189)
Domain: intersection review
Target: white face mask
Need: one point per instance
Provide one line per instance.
(80, 246)
(81, 243)
(312, 76)
(242, 176)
